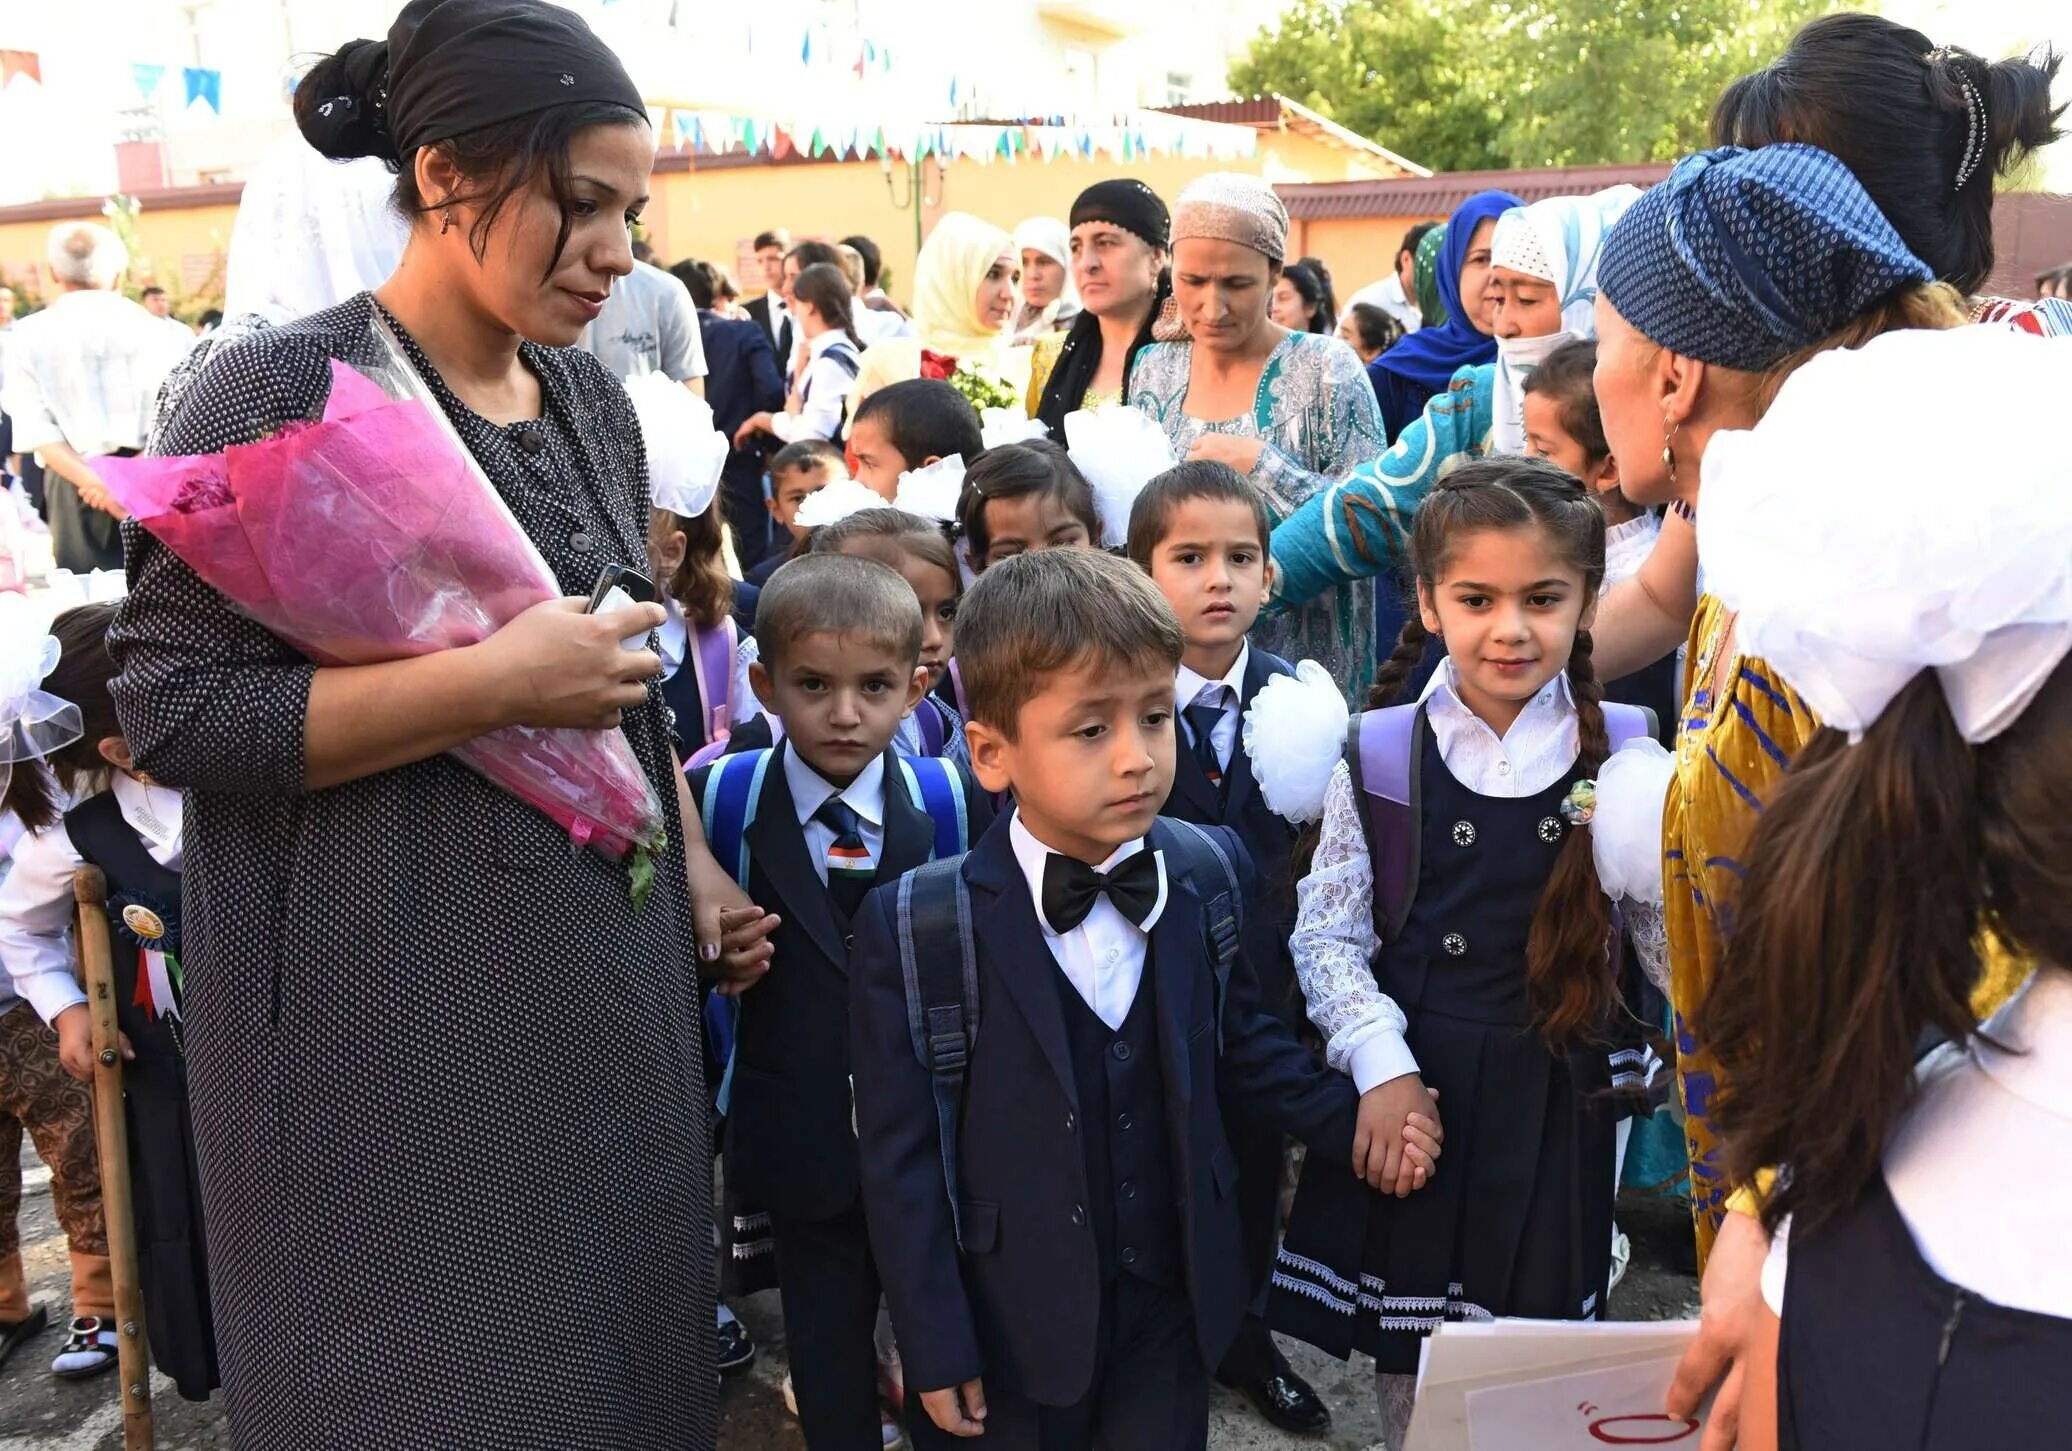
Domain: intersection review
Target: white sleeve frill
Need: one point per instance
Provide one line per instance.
(1334, 947)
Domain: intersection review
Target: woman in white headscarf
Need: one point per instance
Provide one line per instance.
(966, 287)
(1049, 300)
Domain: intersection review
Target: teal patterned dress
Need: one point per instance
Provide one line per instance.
(1316, 414)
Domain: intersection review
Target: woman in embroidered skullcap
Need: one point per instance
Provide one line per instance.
(448, 1088)
(1291, 411)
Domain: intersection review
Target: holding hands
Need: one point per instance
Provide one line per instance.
(1396, 1145)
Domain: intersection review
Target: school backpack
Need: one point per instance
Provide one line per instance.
(938, 962)
(1384, 751)
(710, 653)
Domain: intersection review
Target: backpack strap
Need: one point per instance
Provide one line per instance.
(929, 723)
(936, 786)
(938, 963)
(712, 651)
(1207, 867)
(732, 788)
(1384, 751)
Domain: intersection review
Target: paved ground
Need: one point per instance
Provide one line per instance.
(40, 1413)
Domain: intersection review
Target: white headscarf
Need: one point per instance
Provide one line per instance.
(1829, 527)
(1053, 239)
(1559, 239)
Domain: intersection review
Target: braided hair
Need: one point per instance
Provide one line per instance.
(1567, 954)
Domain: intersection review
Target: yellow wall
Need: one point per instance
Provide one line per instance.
(715, 214)
(179, 248)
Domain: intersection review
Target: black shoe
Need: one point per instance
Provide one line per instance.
(1287, 1400)
(13, 1337)
(736, 1349)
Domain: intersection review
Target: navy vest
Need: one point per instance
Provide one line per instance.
(1122, 1136)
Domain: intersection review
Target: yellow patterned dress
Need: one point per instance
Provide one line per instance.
(1730, 753)
(1043, 361)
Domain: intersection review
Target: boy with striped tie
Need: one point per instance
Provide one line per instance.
(809, 825)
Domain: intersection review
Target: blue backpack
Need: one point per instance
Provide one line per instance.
(938, 960)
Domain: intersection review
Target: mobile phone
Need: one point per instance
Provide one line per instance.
(620, 585)
(628, 584)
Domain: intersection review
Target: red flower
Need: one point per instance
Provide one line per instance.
(938, 366)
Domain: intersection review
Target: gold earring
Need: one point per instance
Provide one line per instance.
(1669, 453)
(445, 223)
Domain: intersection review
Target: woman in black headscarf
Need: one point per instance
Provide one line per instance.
(1119, 239)
(447, 1082)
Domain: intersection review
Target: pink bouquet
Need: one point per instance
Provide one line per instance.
(373, 535)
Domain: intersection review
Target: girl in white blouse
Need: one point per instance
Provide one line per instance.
(1452, 941)
(821, 306)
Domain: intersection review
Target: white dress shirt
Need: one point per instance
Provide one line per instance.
(1103, 957)
(1334, 943)
(85, 371)
(1387, 295)
(865, 795)
(36, 905)
(1227, 692)
(824, 389)
(875, 327)
(1985, 1121)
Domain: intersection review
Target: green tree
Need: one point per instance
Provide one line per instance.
(1526, 83)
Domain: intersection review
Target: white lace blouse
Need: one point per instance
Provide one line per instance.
(1334, 941)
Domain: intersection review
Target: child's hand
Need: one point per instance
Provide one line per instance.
(1379, 1139)
(742, 953)
(1422, 1136)
(959, 1410)
(755, 423)
(74, 1027)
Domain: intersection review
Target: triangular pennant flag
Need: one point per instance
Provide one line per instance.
(20, 63)
(205, 86)
(686, 127)
(148, 78)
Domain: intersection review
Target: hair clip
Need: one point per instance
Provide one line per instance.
(1974, 115)
(1580, 805)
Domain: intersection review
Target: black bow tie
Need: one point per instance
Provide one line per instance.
(1071, 887)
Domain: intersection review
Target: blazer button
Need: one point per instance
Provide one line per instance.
(1122, 1052)
(1079, 1214)
(849, 941)
(529, 439)
(1129, 1256)
(1071, 1122)
(1129, 1189)
(1123, 1122)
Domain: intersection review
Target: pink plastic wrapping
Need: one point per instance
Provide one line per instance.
(374, 536)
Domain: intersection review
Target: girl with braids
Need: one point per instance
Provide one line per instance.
(1451, 936)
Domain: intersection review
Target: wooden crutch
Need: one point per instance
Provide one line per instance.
(111, 1129)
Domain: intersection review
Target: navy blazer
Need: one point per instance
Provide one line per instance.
(1270, 915)
(790, 1143)
(742, 379)
(1021, 1306)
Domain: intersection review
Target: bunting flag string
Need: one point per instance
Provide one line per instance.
(24, 63)
(1128, 137)
(205, 86)
(148, 78)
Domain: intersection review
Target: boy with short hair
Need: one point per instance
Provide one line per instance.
(1050, 1191)
(906, 425)
(809, 825)
(797, 471)
(1201, 532)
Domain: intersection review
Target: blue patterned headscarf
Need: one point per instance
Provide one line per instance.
(1429, 356)
(1741, 258)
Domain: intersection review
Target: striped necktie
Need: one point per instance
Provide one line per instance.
(1202, 719)
(849, 868)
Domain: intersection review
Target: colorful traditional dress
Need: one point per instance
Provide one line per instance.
(1731, 750)
(1315, 413)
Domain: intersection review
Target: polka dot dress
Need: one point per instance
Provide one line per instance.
(447, 1087)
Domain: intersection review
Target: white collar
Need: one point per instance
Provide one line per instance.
(154, 811)
(1639, 526)
(1031, 855)
(810, 790)
(672, 639)
(1188, 686)
(1554, 703)
(826, 340)
(2034, 1028)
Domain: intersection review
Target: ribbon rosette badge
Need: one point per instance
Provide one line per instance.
(144, 922)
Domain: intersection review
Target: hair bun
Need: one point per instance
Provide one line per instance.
(339, 103)
(2019, 116)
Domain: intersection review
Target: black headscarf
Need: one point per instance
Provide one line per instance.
(1134, 207)
(450, 67)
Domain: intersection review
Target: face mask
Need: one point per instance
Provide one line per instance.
(1516, 359)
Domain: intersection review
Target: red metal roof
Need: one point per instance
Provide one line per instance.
(1438, 195)
(1255, 111)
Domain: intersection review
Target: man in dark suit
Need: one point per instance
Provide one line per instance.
(768, 310)
(742, 379)
(1089, 1266)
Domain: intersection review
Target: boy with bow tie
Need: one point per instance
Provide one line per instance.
(1045, 1167)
